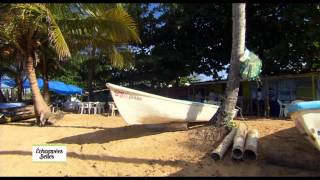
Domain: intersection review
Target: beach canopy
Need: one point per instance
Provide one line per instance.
(55, 86)
(7, 83)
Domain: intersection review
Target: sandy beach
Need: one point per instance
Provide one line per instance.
(98, 145)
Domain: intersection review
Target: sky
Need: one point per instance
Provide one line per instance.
(204, 77)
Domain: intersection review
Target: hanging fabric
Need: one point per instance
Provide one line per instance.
(250, 66)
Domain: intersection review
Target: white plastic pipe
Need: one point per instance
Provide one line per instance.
(250, 149)
(239, 142)
(219, 151)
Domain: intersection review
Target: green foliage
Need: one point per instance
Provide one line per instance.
(186, 38)
(231, 124)
(284, 36)
(106, 29)
(176, 43)
(177, 39)
(23, 23)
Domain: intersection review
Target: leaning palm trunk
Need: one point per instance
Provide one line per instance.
(42, 111)
(238, 45)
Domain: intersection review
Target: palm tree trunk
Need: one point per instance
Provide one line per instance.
(20, 87)
(225, 112)
(45, 92)
(90, 81)
(91, 74)
(42, 111)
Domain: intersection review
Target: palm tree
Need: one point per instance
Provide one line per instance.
(24, 24)
(21, 27)
(111, 30)
(224, 114)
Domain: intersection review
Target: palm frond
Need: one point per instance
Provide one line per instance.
(119, 59)
(115, 22)
(55, 35)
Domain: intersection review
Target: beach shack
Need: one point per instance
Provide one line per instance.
(269, 97)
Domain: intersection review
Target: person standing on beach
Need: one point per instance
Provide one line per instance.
(260, 102)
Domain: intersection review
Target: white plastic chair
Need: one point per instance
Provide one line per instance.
(112, 108)
(94, 106)
(87, 106)
(283, 109)
(101, 107)
(80, 107)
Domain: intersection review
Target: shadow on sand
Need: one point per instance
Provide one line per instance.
(285, 148)
(289, 148)
(104, 158)
(111, 134)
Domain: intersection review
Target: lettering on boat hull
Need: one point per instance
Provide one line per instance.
(123, 94)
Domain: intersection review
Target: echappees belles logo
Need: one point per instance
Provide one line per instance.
(49, 153)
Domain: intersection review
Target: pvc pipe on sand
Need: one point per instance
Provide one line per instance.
(250, 149)
(219, 151)
(239, 142)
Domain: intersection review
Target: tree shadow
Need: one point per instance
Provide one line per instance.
(288, 151)
(206, 166)
(105, 158)
(289, 148)
(193, 111)
(111, 134)
(32, 124)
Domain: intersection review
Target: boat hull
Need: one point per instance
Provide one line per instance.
(308, 124)
(4, 106)
(307, 118)
(137, 107)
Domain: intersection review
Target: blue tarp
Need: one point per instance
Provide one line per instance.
(26, 83)
(62, 88)
(55, 86)
(7, 83)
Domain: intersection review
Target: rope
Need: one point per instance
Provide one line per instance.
(240, 111)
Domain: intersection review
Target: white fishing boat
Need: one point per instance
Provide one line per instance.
(307, 119)
(137, 107)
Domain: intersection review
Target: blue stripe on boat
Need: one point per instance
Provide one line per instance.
(300, 106)
(11, 105)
